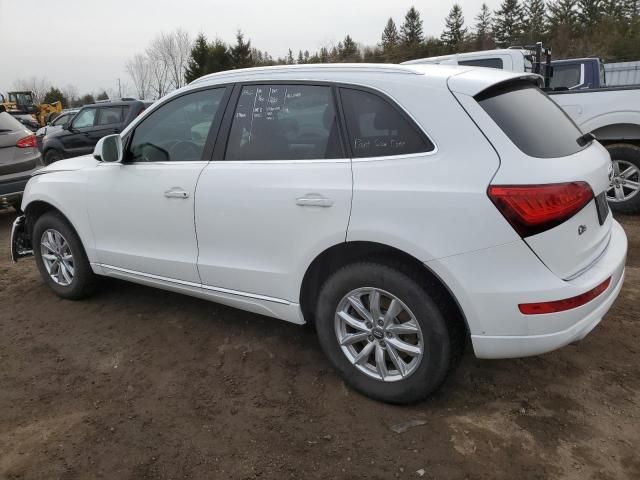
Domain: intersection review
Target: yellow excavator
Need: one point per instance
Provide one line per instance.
(22, 106)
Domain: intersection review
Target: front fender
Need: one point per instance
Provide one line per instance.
(65, 191)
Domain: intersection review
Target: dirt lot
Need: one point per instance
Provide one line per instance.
(139, 383)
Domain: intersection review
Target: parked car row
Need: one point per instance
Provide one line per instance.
(324, 194)
(78, 134)
(72, 133)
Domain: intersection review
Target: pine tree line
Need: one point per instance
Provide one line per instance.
(609, 29)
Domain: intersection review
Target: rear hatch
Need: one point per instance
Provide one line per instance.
(551, 181)
(15, 156)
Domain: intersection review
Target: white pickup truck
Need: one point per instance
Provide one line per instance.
(611, 114)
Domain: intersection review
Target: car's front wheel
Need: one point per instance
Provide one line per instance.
(52, 156)
(384, 332)
(61, 258)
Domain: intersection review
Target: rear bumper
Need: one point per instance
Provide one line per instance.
(486, 346)
(490, 284)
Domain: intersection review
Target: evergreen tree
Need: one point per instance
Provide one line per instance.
(562, 14)
(55, 95)
(289, 60)
(349, 50)
(241, 52)
(198, 58)
(629, 9)
(324, 55)
(590, 12)
(103, 96)
(390, 36)
(535, 22)
(87, 99)
(613, 9)
(507, 24)
(483, 28)
(300, 58)
(411, 30)
(219, 57)
(455, 31)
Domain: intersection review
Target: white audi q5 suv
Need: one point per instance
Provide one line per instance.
(403, 210)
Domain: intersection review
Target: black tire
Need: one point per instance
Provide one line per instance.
(84, 280)
(52, 155)
(630, 154)
(441, 343)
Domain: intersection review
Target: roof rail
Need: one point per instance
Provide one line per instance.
(370, 67)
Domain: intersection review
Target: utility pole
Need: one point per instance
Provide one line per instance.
(119, 90)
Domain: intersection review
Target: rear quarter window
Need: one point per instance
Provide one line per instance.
(531, 120)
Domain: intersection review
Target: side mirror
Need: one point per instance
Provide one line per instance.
(109, 149)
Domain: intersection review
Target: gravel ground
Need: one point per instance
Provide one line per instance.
(139, 383)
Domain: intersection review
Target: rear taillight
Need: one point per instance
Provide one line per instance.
(566, 304)
(533, 209)
(27, 142)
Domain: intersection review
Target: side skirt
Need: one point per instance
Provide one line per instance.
(251, 302)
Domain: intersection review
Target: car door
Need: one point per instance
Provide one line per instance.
(75, 139)
(278, 196)
(141, 210)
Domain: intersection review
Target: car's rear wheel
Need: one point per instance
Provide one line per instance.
(60, 257)
(624, 191)
(384, 332)
(51, 156)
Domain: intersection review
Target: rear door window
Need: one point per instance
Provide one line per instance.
(85, 118)
(379, 129)
(284, 122)
(531, 120)
(110, 115)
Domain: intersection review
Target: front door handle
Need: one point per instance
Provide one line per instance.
(176, 192)
(314, 200)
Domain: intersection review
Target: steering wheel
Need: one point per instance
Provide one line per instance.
(183, 150)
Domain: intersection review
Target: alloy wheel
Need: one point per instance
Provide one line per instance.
(625, 183)
(379, 334)
(57, 257)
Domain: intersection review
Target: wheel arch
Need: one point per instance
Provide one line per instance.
(36, 208)
(336, 256)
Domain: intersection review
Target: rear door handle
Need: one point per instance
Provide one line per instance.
(176, 192)
(314, 200)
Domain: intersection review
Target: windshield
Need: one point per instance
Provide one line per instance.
(21, 98)
(531, 120)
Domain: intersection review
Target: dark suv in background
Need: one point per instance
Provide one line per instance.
(90, 124)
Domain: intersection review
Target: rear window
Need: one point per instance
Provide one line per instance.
(9, 124)
(533, 122)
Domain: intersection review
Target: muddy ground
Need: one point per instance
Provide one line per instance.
(139, 383)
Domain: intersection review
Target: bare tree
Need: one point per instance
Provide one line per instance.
(172, 49)
(139, 69)
(159, 83)
(70, 92)
(38, 85)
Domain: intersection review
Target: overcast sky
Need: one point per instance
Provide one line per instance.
(86, 42)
